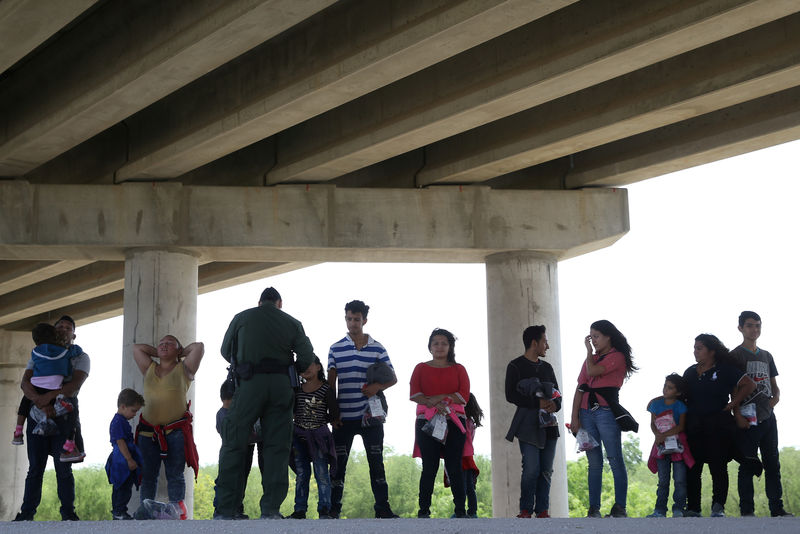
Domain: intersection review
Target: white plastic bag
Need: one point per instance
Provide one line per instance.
(585, 441)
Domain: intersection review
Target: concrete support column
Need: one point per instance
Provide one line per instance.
(522, 290)
(160, 298)
(16, 351)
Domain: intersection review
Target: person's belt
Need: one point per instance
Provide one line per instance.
(246, 370)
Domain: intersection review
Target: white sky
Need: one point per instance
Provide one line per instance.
(705, 244)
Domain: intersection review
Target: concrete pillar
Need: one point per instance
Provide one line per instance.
(522, 290)
(16, 351)
(160, 298)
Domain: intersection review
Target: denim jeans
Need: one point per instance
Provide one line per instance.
(372, 437)
(121, 495)
(469, 488)
(174, 465)
(763, 436)
(39, 448)
(602, 426)
(302, 466)
(537, 470)
(431, 451)
(662, 492)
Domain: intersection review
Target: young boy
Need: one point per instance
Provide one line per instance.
(51, 364)
(760, 366)
(226, 392)
(124, 462)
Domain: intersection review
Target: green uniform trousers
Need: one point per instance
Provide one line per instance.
(270, 398)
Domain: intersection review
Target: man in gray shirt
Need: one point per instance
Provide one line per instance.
(759, 365)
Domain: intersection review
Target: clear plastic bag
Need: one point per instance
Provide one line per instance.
(585, 441)
(436, 427)
(749, 413)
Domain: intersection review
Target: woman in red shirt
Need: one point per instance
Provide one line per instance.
(440, 386)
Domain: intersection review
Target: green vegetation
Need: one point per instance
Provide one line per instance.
(94, 493)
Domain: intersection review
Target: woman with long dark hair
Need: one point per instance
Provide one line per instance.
(714, 386)
(440, 386)
(608, 364)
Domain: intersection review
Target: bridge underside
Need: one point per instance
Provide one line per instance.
(184, 147)
(556, 94)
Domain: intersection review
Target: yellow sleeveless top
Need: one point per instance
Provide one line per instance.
(165, 397)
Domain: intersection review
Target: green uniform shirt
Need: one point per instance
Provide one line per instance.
(265, 332)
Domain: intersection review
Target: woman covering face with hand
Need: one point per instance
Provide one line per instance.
(608, 363)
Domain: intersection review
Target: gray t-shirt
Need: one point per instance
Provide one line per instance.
(761, 368)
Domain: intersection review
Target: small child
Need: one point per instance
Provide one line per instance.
(474, 416)
(314, 407)
(123, 466)
(226, 391)
(670, 449)
(51, 363)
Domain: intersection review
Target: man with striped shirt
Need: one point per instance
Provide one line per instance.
(348, 361)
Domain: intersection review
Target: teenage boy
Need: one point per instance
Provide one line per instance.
(759, 365)
(348, 360)
(537, 443)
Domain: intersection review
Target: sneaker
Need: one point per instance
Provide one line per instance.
(747, 514)
(272, 516)
(122, 517)
(658, 514)
(222, 517)
(297, 514)
(324, 514)
(690, 513)
(677, 513)
(74, 456)
(617, 511)
(62, 407)
(524, 514)
(472, 516)
(717, 510)
(19, 438)
(241, 516)
(184, 513)
(594, 512)
(70, 516)
(22, 517)
(386, 514)
(544, 514)
(423, 515)
(781, 513)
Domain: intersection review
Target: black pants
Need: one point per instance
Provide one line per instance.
(452, 450)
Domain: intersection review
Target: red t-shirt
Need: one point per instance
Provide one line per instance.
(614, 376)
(430, 381)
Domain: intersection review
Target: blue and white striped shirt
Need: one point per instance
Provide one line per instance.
(351, 373)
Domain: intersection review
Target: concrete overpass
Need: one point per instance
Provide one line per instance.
(150, 151)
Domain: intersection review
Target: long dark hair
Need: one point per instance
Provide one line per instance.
(713, 344)
(451, 339)
(473, 411)
(618, 341)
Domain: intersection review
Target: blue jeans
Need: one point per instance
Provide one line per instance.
(372, 436)
(174, 465)
(537, 470)
(39, 448)
(470, 478)
(302, 466)
(763, 436)
(602, 426)
(662, 493)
